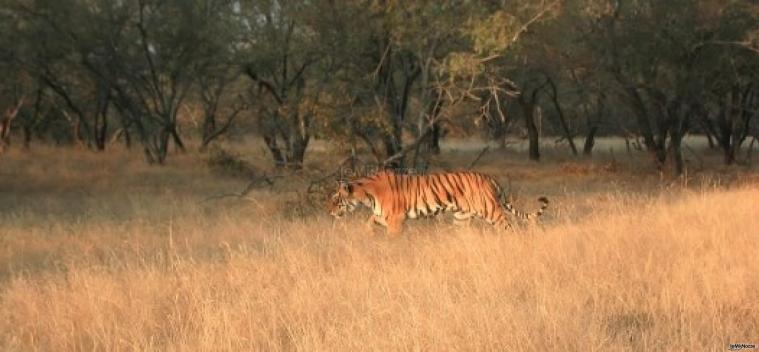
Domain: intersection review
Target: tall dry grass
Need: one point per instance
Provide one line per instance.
(115, 255)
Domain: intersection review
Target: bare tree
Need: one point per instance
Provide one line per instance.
(214, 86)
(279, 57)
(729, 121)
(554, 94)
(528, 102)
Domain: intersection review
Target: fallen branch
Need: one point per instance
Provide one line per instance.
(116, 135)
(741, 44)
(479, 156)
(402, 153)
(314, 183)
(254, 182)
(319, 180)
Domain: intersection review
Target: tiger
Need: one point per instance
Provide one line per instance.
(395, 197)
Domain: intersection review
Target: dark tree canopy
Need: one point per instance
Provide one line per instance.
(390, 77)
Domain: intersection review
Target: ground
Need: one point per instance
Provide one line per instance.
(101, 251)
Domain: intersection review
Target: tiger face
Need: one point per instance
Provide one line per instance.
(342, 201)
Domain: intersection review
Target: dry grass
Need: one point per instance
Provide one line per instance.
(103, 252)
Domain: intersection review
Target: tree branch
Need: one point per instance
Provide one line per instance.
(479, 156)
(745, 45)
(264, 84)
(532, 20)
(400, 154)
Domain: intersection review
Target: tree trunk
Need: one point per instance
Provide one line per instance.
(394, 98)
(5, 132)
(528, 112)
(76, 128)
(644, 124)
(27, 137)
(729, 155)
(100, 131)
(433, 144)
(163, 145)
(100, 123)
(678, 112)
(149, 157)
(392, 147)
(590, 140)
(562, 121)
(497, 123)
(710, 140)
(434, 107)
(211, 131)
(726, 125)
(675, 140)
(127, 138)
(125, 127)
(297, 152)
(666, 114)
(276, 153)
(532, 132)
(593, 125)
(209, 127)
(176, 138)
(7, 120)
(30, 124)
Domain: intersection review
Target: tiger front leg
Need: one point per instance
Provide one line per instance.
(371, 221)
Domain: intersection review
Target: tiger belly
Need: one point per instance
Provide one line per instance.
(427, 211)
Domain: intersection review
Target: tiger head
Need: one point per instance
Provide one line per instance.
(342, 201)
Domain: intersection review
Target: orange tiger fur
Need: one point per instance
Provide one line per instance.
(393, 198)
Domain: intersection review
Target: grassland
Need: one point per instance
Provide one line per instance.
(102, 252)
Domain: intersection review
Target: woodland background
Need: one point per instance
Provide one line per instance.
(388, 77)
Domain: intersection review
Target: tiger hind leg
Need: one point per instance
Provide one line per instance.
(498, 219)
(394, 225)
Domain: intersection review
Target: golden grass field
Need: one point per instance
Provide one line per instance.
(103, 252)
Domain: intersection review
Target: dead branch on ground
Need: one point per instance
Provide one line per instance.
(254, 183)
(479, 156)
